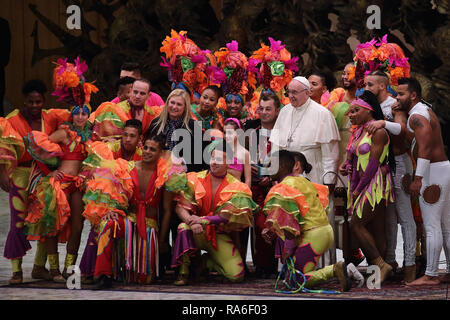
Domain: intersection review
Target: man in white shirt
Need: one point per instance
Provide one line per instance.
(307, 127)
(377, 82)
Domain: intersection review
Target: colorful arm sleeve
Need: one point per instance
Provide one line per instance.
(369, 173)
(11, 145)
(108, 122)
(284, 207)
(236, 206)
(213, 220)
(42, 149)
(108, 185)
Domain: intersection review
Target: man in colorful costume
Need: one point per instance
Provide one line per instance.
(122, 199)
(296, 212)
(296, 130)
(109, 119)
(127, 148)
(133, 70)
(21, 122)
(211, 204)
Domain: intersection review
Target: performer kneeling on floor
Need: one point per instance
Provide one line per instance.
(211, 204)
(295, 210)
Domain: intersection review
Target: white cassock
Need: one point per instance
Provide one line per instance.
(310, 129)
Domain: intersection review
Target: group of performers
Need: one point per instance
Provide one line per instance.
(121, 168)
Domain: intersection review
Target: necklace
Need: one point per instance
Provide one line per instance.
(297, 124)
(84, 133)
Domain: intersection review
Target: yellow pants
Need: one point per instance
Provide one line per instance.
(226, 260)
(312, 245)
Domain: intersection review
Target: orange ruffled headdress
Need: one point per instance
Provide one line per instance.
(380, 55)
(276, 66)
(187, 64)
(70, 85)
(239, 71)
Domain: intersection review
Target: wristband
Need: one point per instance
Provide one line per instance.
(393, 127)
(423, 166)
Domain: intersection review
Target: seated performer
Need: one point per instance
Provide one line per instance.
(211, 204)
(123, 201)
(296, 212)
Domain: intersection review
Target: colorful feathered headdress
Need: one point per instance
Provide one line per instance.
(69, 83)
(380, 55)
(235, 65)
(187, 64)
(277, 67)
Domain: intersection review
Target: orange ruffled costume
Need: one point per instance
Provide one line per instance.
(11, 146)
(296, 205)
(48, 209)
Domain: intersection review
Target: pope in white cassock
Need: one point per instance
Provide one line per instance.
(307, 127)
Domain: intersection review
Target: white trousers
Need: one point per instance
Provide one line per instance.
(436, 217)
(401, 212)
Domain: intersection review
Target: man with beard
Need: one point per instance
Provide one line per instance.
(432, 177)
(377, 82)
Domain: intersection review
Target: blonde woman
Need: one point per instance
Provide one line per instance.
(176, 114)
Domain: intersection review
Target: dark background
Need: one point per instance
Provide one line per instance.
(323, 33)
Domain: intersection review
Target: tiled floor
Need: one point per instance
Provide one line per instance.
(61, 294)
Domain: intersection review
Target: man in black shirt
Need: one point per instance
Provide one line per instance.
(269, 107)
